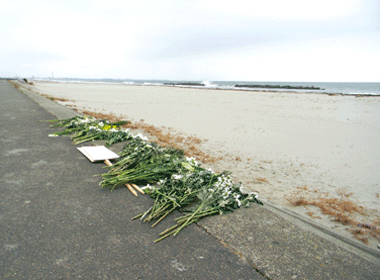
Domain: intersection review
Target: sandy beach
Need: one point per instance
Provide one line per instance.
(281, 145)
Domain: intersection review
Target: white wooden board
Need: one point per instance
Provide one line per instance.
(96, 153)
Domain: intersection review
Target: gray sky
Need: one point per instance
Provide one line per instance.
(332, 41)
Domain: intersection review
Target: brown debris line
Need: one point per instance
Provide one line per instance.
(15, 85)
(360, 234)
(341, 209)
(56, 98)
(187, 144)
(111, 117)
(262, 180)
(311, 214)
(304, 188)
(364, 230)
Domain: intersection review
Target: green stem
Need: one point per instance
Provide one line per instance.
(146, 213)
(169, 229)
(187, 222)
(164, 195)
(163, 237)
(157, 212)
(138, 216)
(160, 219)
(199, 215)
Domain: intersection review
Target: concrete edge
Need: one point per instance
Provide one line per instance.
(356, 246)
(353, 245)
(58, 110)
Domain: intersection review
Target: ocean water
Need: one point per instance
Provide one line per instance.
(328, 88)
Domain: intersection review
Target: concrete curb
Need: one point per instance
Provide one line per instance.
(58, 110)
(323, 231)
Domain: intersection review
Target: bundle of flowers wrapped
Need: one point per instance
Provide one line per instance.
(138, 151)
(177, 182)
(218, 196)
(174, 181)
(150, 171)
(84, 129)
(212, 193)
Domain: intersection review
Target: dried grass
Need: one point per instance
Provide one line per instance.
(341, 209)
(56, 98)
(297, 198)
(311, 214)
(262, 180)
(360, 235)
(163, 137)
(304, 188)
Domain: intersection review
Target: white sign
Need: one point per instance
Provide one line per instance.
(95, 153)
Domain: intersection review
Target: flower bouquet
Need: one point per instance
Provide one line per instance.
(84, 129)
(174, 181)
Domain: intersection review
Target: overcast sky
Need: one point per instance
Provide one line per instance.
(266, 40)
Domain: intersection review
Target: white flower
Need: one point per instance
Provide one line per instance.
(113, 130)
(226, 194)
(238, 202)
(209, 169)
(147, 187)
(255, 194)
(191, 160)
(177, 177)
(141, 136)
(95, 128)
(84, 120)
(161, 182)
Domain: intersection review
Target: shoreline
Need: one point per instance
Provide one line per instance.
(273, 175)
(221, 89)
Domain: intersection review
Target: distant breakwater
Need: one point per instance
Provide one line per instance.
(184, 84)
(278, 87)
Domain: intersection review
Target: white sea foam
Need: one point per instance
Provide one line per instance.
(209, 84)
(152, 84)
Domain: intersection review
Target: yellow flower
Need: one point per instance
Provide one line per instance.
(106, 127)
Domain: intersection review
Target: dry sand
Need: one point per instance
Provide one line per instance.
(275, 143)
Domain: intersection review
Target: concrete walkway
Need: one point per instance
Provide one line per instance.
(57, 223)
